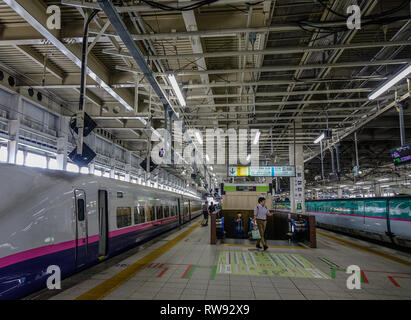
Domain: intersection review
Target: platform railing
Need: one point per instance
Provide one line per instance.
(213, 227)
(279, 225)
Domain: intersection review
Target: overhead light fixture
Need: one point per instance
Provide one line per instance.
(383, 179)
(248, 157)
(199, 139)
(176, 88)
(211, 168)
(320, 138)
(207, 158)
(257, 137)
(405, 71)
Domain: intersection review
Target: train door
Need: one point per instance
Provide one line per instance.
(81, 248)
(103, 223)
(189, 210)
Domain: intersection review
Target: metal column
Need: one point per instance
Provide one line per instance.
(322, 162)
(401, 118)
(356, 150)
(337, 156)
(332, 160)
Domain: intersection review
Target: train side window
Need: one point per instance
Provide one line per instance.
(160, 213)
(166, 211)
(143, 214)
(152, 214)
(139, 215)
(123, 217)
(80, 209)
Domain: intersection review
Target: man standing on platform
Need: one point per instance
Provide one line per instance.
(260, 219)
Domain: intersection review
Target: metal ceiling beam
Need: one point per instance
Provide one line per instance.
(138, 57)
(280, 68)
(144, 7)
(34, 12)
(118, 24)
(40, 60)
(315, 116)
(269, 51)
(191, 25)
(282, 93)
(71, 82)
(278, 103)
(333, 56)
(285, 27)
(362, 123)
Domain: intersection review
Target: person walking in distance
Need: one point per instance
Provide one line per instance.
(205, 214)
(260, 219)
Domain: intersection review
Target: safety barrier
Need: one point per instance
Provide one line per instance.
(280, 226)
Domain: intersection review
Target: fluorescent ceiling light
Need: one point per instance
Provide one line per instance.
(383, 179)
(320, 138)
(388, 84)
(257, 137)
(176, 88)
(207, 157)
(211, 168)
(248, 157)
(199, 139)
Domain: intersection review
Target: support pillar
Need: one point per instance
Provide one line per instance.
(377, 190)
(14, 128)
(47, 161)
(12, 145)
(332, 160)
(92, 145)
(62, 140)
(140, 176)
(112, 163)
(297, 192)
(128, 166)
(401, 120)
(25, 157)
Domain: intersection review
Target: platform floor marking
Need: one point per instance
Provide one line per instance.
(116, 281)
(267, 264)
(358, 246)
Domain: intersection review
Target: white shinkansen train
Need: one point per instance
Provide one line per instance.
(73, 221)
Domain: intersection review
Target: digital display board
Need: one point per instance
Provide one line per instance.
(273, 171)
(401, 154)
(246, 188)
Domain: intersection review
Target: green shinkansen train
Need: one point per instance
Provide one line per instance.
(384, 219)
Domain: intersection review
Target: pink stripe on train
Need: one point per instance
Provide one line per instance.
(358, 216)
(53, 248)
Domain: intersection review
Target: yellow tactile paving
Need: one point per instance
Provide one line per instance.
(114, 282)
(373, 251)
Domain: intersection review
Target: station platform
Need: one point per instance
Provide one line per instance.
(182, 265)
